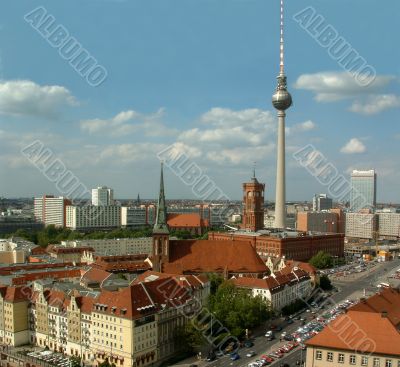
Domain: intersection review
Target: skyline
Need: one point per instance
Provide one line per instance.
(211, 96)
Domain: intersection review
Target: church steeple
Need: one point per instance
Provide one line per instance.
(160, 230)
(160, 225)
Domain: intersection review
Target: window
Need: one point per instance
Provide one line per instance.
(376, 362)
(329, 357)
(353, 359)
(341, 358)
(364, 361)
(388, 363)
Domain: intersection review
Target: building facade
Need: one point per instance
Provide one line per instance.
(389, 225)
(102, 196)
(253, 205)
(91, 217)
(133, 326)
(291, 245)
(279, 290)
(114, 246)
(51, 210)
(363, 190)
(321, 202)
(317, 222)
(361, 225)
(366, 335)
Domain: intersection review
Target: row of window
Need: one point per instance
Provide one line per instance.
(353, 359)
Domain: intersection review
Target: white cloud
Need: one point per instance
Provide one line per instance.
(127, 153)
(26, 98)
(334, 86)
(303, 126)
(129, 122)
(234, 137)
(375, 104)
(354, 146)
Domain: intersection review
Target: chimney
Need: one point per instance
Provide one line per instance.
(384, 314)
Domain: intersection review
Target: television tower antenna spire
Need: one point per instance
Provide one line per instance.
(282, 59)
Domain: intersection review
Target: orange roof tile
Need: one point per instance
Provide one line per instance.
(200, 256)
(364, 332)
(95, 275)
(186, 220)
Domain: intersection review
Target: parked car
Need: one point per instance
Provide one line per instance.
(250, 354)
(248, 344)
(235, 356)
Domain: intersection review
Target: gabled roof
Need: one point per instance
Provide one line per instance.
(186, 220)
(371, 326)
(364, 332)
(201, 256)
(95, 275)
(16, 293)
(386, 301)
(194, 281)
(302, 265)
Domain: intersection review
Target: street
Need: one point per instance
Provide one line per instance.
(351, 288)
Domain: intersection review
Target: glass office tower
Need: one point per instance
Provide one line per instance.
(363, 190)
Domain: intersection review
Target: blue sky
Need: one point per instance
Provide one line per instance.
(198, 74)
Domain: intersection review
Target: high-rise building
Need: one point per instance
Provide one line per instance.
(253, 204)
(361, 225)
(321, 202)
(281, 100)
(363, 190)
(89, 217)
(51, 210)
(102, 196)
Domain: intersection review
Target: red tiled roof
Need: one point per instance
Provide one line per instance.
(57, 274)
(141, 299)
(70, 250)
(191, 280)
(369, 326)
(186, 220)
(95, 275)
(386, 301)
(122, 263)
(200, 256)
(364, 332)
(16, 293)
(266, 283)
(302, 265)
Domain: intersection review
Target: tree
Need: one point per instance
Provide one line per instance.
(322, 260)
(188, 338)
(75, 361)
(237, 310)
(325, 283)
(215, 281)
(106, 363)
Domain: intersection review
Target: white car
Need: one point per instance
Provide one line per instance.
(250, 354)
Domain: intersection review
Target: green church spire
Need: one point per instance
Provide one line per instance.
(161, 218)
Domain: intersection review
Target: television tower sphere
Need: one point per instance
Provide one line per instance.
(281, 99)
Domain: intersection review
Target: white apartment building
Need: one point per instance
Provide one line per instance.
(51, 210)
(115, 246)
(389, 225)
(102, 196)
(279, 290)
(359, 225)
(93, 217)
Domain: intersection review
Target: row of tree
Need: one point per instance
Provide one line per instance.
(54, 235)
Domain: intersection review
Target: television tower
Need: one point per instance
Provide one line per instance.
(281, 100)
